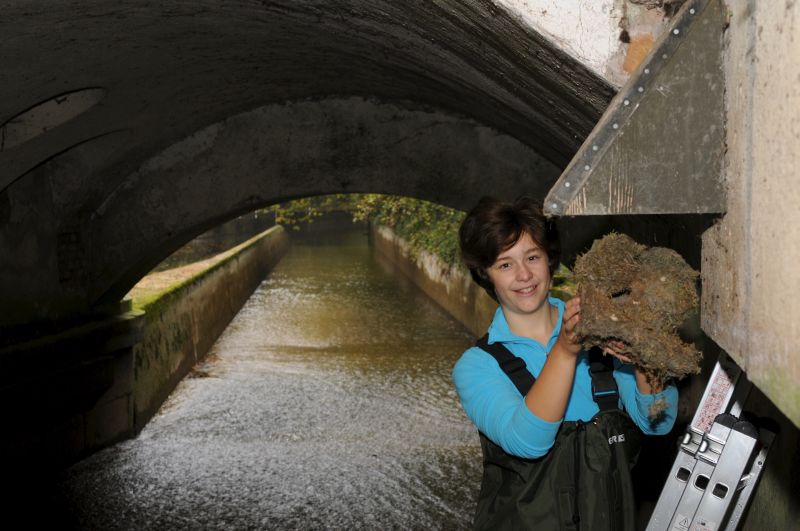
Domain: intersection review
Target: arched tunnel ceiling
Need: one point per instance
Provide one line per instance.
(171, 69)
(279, 152)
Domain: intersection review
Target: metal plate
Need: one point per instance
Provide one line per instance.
(658, 148)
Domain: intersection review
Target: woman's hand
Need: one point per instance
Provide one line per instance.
(613, 348)
(568, 337)
(548, 397)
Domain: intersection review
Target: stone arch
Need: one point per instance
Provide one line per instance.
(467, 84)
(280, 152)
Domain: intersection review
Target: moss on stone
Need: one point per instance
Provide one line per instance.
(153, 301)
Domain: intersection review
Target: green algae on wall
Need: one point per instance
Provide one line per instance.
(187, 308)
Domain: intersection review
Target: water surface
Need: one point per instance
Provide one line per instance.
(326, 404)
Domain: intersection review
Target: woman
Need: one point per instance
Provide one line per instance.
(556, 454)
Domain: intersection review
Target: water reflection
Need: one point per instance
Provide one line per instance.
(326, 404)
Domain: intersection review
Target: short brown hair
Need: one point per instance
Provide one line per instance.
(493, 226)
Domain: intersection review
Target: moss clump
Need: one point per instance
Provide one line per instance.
(615, 265)
(639, 296)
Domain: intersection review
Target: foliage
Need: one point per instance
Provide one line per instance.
(424, 225)
(305, 210)
(564, 286)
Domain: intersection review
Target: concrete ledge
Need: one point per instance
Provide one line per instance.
(187, 308)
(451, 287)
(98, 380)
(69, 392)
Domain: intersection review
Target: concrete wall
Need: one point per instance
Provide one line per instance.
(751, 278)
(182, 321)
(450, 287)
(592, 30)
(68, 391)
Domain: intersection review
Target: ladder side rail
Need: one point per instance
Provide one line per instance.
(725, 478)
(672, 491)
(750, 481)
(706, 459)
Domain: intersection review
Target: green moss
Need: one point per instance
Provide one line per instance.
(152, 303)
(778, 386)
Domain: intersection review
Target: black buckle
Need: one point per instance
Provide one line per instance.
(604, 388)
(603, 383)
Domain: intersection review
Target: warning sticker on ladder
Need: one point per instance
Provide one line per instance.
(681, 523)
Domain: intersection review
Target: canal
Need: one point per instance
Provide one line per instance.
(326, 404)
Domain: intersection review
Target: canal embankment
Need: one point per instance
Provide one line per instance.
(187, 308)
(450, 286)
(325, 404)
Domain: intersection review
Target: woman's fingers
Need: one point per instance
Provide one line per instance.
(617, 355)
(571, 318)
(613, 348)
(572, 308)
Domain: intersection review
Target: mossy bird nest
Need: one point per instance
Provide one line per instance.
(639, 296)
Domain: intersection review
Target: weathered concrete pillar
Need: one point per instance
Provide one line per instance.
(751, 278)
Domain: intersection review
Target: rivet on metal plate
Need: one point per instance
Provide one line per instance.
(676, 31)
(646, 70)
(692, 11)
(615, 126)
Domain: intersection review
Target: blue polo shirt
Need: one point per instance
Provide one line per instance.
(498, 410)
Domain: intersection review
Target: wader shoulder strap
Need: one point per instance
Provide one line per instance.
(604, 387)
(510, 364)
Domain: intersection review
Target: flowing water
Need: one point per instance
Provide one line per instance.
(326, 404)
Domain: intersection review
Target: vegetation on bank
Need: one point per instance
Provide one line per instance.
(424, 225)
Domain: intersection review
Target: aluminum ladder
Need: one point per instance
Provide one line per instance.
(719, 462)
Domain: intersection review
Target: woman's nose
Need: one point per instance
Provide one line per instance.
(524, 273)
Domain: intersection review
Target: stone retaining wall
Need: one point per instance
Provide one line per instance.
(184, 318)
(450, 287)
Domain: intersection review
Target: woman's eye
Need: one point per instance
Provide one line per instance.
(504, 266)
(533, 258)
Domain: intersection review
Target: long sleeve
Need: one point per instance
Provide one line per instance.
(498, 410)
(638, 405)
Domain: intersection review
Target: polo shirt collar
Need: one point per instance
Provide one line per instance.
(500, 332)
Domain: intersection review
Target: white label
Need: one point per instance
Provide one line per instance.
(681, 523)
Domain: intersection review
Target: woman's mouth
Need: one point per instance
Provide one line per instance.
(528, 290)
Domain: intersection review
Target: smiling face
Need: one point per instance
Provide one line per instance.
(521, 277)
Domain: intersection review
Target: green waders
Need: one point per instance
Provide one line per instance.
(583, 482)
